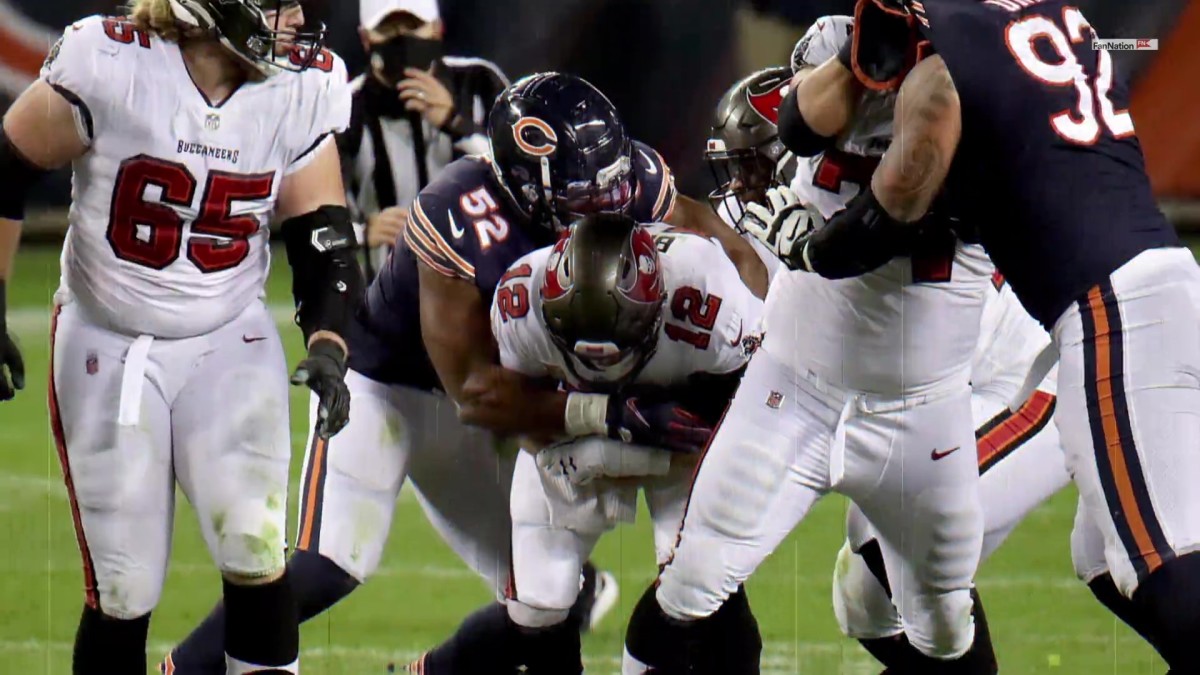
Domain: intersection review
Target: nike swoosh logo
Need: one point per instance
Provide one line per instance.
(650, 167)
(935, 455)
(247, 339)
(737, 341)
(454, 228)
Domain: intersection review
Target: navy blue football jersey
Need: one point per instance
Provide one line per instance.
(462, 225)
(1049, 166)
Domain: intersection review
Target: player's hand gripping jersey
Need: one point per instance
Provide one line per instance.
(912, 325)
(710, 325)
(171, 203)
(463, 226)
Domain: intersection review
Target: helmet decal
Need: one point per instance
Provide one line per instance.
(535, 137)
(766, 98)
(642, 281)
(558, 278)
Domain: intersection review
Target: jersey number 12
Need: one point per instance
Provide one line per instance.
(1079, 125)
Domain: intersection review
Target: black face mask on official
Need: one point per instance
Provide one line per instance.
(389, 59)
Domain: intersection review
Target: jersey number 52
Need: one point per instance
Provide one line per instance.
(1079, 125)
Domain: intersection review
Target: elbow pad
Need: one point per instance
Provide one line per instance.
(17, 175)
(859, 239)
(795, 133)
(327, 283)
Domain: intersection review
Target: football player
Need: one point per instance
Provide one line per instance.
(188, 125)
(745, 154)
(861, 387)
(613, 308)
(1021, 465)
(558, 150)
(1085, 247)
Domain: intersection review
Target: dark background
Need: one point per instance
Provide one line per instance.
(664, 63)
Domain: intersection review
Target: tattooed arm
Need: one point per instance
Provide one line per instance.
(928, 126)
(877, 225)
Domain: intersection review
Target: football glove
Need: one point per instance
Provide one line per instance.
(656, 422)
(782, 224)
(883, 46)
(324, 371)
(12, 366)
(583, 460)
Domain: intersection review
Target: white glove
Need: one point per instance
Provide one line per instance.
(583, 460)
(782, 224)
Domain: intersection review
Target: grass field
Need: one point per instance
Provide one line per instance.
(1043, 620)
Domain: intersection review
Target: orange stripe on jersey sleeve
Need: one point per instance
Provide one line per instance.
(666, 192)
(426, 252)
(447, 251)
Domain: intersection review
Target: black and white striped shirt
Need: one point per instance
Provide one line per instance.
(389, 154)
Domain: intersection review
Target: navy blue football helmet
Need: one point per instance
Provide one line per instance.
(560, 150)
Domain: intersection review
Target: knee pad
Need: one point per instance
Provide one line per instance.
(941, 625)
(250, 542)
(862, 606)
(527, 616)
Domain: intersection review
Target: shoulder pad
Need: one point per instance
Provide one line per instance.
(458, 215)
(81, 65)
(822, 41)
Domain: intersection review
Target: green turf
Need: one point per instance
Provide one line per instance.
(1042, 619)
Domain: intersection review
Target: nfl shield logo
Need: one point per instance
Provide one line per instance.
(775, 400)
(93, 363)
(212, 121)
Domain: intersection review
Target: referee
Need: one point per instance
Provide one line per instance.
(414, 111)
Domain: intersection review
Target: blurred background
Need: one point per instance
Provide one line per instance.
(665, 63)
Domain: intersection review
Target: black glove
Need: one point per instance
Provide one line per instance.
(883, 47)
(324, 371)
(10, 356)
(656, 422)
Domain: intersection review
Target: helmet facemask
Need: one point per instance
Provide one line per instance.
(742, 177)
(612, 191)
(255, 32)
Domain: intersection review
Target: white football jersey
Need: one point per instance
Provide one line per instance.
(909, 327)
(711, 320)
(171, 202)
(1009, 341)
(871, 130)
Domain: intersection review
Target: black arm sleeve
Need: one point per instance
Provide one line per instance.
(859, 239)
(17, 175)
(795, 133)
(327, 283)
